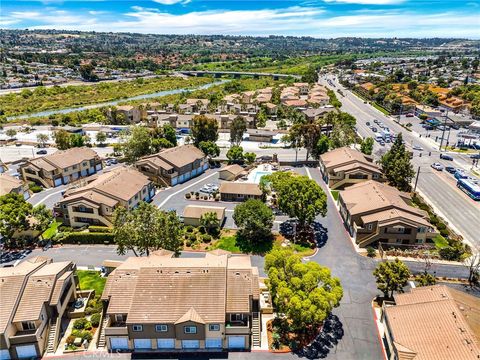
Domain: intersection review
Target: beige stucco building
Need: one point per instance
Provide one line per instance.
(160, 303)
(376, 213)
(61, 167)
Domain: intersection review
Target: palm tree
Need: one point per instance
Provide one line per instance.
(210, 222)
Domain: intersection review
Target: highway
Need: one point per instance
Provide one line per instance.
(438, 187)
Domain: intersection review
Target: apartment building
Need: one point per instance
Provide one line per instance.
(94, 203)
(61, 167)
(432, 322)
(192, 214)
(10, 184)
(173, 166)
(160, 303)
(130, 114)
(376, 213)
(34, 296)
(345, 166)
(239, 191)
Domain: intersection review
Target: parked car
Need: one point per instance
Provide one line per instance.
(475, 156)
(409, 115)
(417, 147)
(114, 161)
(437, 166)
(41, 152)
(382, 142)
(450, 169)
(446, 157)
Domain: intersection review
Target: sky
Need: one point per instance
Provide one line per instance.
(317, 18)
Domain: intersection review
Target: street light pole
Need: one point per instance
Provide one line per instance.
(443, 132)
(416, 179)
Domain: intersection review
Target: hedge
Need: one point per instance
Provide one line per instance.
(87, 238)
(99, 229)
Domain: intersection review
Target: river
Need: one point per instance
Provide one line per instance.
(113, 102)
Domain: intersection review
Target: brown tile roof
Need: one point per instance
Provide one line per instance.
(172, 290)
(9, 183)
(431, 328)
(64, 158)
(393, 216)
(121, 183)
(233, 169)
(242, 188)
(196, 211)
(12, 281)
(38, 290)
(178, 156)
(57, 291)
(345, 156)
(370, 196)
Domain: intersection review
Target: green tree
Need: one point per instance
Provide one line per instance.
(262, 117)
(254, 220)
(397, 166)
(210, 222)
(170, 134)
(250, 157)
(425, 279)
(62, 139)
(138, 144)
(14, 214)
(43, 217)
(204, 129)
(42, 139)
(146, 229)
(305, 293)
(87, 72)
(322, 145)
(11, 133)
(391, 276)
(209, 148)
(160, 143)
(299, 197)
(310, 75)
(101, 137)
(76, 140)
(367, 146)
(235, 154)
(237, 129)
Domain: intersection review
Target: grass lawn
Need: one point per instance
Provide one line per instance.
(378, 107)
(228, 243)
(440, 242)
(90, 279)
(335, 194)
(51, 231)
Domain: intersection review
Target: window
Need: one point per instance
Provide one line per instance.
(161, 328)
(137, 328)
(376, 176)
(236, 317)
(28, 325)
(190, 329)
(214, 327)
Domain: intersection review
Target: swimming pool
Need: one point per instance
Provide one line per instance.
(258, 175)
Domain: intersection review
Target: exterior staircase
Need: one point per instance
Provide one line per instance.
(101, 337)
(256, 335)
(52, 337)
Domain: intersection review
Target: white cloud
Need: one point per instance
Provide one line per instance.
(169, 2)
(312, 21)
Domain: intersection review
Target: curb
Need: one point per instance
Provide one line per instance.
(375, 320)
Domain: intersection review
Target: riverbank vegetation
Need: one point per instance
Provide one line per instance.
(58, 97)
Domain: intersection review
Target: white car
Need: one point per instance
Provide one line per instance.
(417, 147)
(437, 166)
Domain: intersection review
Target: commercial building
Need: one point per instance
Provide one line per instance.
(164, 304)
(376, 213)
(173, 166)
(94, 203)
(239, 191)
(192, 214)
(345, 166)
(61, 167)
(432, 322)
(10, 184)
(34, 296)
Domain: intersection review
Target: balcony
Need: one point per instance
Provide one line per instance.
(237, 327)
(26, 336)
(116, 328)
(83, 210)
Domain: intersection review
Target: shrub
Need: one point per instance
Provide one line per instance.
(189, 228)
(188, 242)
(452, 253)
(193, 237)
(371, 252)
(188, 196)
(88, 325)
(77, 333)
(441, 226)
(87, 335)
(99, 229)
(70, 340)
(206, 238)
(95, 319)
(444, 232)
(35, 188)
(87, 238)
(80, 323)
(89, 310)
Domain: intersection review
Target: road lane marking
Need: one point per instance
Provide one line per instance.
(185, 188)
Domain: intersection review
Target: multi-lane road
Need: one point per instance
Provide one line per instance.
(438, 187)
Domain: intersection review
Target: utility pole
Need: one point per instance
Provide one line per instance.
(416, 179)
(443, 132)
(401, 111)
